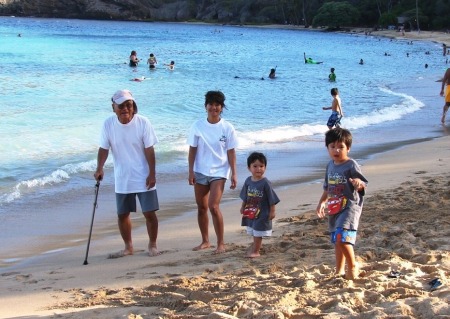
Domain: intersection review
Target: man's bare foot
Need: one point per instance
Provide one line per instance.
(201, 246)
(153, 251)
(119, 254)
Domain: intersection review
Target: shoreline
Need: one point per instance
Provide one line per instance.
(431, 36)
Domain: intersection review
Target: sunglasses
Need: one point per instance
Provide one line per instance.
(122, 106)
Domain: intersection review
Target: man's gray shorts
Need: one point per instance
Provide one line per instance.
(205, 180)
(126, 203)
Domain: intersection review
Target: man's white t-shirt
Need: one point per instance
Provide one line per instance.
(127, 143)
(212, 142)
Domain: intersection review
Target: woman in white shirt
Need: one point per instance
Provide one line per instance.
(212, 157)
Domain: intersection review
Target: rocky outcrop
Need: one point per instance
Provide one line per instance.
(222, 11)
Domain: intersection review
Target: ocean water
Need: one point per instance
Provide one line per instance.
(57, 79)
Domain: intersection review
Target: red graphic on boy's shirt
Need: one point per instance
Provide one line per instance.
(336, 200)
(251, 209)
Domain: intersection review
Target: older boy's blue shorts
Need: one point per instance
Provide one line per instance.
(205, 180)
(333, 119)
(348, 236)
(126, 203)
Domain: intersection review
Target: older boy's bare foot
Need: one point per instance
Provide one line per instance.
(121, 253)
(201, 246)
(153, 251)
(351, 274)
(253, 255)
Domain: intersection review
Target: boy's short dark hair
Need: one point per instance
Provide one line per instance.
(339, 134)
(334, 91)
(215, 97)
(256, 156)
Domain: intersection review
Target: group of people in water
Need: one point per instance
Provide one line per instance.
(151, 61)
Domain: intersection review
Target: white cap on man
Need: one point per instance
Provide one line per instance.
(123, 95)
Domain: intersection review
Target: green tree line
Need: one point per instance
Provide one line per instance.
(332, 14)
(422, 14)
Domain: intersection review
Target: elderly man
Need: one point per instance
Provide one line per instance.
(131, 139)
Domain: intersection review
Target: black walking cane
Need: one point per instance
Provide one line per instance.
(92, 222)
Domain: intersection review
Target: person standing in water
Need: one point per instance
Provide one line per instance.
(336, 110)
(133, 59)
(272, 74)
(332, 76)
(152, 61)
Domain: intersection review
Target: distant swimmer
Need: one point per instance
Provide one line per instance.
(272, 74)
(138, 79)
(361, 61)
(152, 61)
(171, 65)
(309, 60)
(332, 75)
(133, 59)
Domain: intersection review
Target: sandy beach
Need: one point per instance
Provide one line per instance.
(432, 36)
(404, 229)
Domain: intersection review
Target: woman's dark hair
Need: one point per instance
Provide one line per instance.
(256, 156)
(215, 97)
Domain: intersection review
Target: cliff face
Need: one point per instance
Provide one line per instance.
(223, 11)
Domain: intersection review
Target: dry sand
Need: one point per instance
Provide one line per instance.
(433, 36)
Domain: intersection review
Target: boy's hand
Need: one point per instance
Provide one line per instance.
(358, 184)
(320, 210)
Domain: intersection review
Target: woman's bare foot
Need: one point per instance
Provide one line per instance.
(220, 250)
(201, 246)
(153, 251)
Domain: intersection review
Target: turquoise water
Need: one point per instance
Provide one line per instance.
(57, 79)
